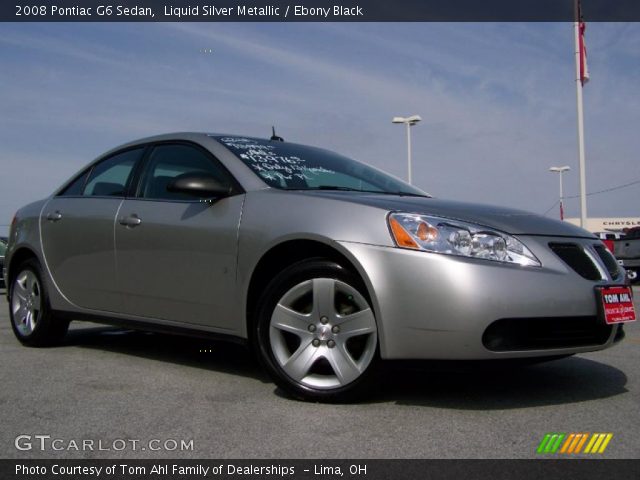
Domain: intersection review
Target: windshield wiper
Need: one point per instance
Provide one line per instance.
(408, 194)
(325, 187)
(336, 187)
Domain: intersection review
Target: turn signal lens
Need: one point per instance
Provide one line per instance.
(426, 232)
(402, 238)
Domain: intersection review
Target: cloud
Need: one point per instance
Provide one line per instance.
(498, 100)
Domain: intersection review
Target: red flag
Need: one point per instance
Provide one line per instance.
(584, 69)
(561, 212)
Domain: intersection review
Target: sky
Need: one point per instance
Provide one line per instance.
(497, 100)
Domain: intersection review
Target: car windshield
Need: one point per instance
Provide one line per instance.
(290, 166)
(3, 248)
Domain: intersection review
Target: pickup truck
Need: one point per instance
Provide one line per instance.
(627, 251)
(608, 238)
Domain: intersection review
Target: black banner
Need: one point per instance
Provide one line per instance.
(321, 469)
(315, 10)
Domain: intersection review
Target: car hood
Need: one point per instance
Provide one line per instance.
(515, 222)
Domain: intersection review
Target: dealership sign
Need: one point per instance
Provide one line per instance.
(607, 224)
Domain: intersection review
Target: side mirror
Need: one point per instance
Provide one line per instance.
(201, 185)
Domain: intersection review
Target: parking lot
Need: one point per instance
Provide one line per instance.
(106, 384)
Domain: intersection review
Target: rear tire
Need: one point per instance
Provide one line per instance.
(32, 320)
(315, 332)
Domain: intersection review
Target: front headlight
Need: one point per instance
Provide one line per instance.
(453, 237)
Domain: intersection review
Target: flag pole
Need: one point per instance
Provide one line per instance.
(561, 197)
(581, 159)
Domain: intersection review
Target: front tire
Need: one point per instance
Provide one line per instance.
(316, 333)
(32, 320)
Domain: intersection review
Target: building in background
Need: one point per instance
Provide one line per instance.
(615, 225)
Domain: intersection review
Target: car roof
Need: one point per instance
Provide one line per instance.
(188, 136)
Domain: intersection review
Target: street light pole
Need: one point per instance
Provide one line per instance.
(560, 171)
(409, 153)
(409, 122)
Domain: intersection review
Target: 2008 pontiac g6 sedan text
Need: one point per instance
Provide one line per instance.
(322, 264)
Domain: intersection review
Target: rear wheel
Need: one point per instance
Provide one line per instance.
(316, 332)
(32, 320)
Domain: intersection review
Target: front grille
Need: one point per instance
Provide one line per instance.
(511, 334)
(575, 256)
(608, 260)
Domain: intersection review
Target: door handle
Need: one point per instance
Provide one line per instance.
(54, 216)
(130, 221)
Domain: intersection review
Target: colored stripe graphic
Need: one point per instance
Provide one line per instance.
(556, 445)
(604, 445)
(598, 443)
(550, 443)
(543, 443)
(581, 443)
(567, 442)
(577, 439)
(573, 443)
(594, 437)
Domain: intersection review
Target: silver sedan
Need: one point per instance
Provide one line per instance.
(323, 265)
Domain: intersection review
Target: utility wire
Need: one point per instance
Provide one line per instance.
(598, 192)
(610, 189)
(551, 208)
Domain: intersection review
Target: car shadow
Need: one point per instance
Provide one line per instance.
(226, 357)
(499, 385)
(450, 385)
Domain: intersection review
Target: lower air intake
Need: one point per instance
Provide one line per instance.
(511, 334)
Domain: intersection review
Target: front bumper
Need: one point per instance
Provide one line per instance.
(434, 306)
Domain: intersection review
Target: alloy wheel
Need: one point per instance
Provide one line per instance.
(26, 302)
(323, 333)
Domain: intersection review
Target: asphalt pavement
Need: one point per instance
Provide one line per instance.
(119, 388)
